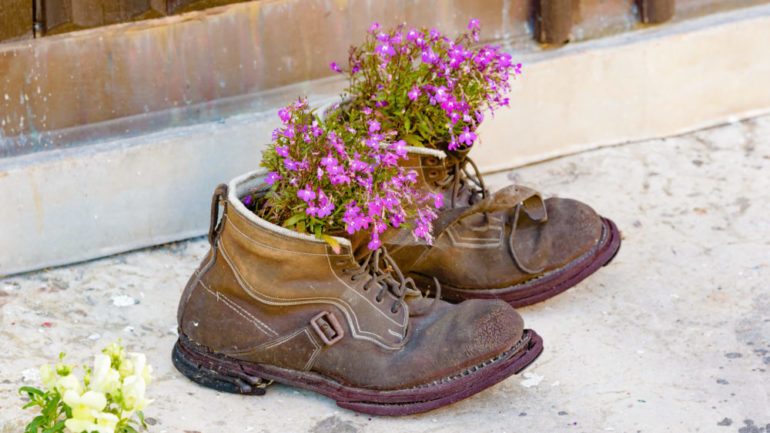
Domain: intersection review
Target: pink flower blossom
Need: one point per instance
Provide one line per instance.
(306, 194)
(282, 151)
(414, 93)
(467, 137)
(272, 178)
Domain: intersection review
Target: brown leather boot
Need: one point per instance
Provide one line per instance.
(510, 245)
(268, 304)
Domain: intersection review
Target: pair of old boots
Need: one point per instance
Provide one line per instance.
(269, 304)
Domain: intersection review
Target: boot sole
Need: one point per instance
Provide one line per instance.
(543, 287)
(227, 374)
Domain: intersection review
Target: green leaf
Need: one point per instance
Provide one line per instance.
(413, 140)
(31, 390)
(332, 243)
(59, 426)
(294, 219)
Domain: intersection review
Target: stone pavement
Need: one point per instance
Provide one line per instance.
(673, 336)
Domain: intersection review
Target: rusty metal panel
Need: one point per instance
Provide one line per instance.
(15, 19)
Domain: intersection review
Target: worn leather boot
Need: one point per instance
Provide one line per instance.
(269, 304)
(510, 245)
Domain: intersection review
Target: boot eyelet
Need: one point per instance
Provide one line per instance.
(432, 173)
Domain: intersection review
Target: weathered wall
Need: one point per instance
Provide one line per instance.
(83, 202)
(138, 77)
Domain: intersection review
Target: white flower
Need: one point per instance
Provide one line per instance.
(48, 376)
(141, 368)
(69, 382)
(133, 394)
(87, 412)
(104, 378)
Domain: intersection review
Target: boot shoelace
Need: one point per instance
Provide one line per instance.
(461, 180)
(384, 274)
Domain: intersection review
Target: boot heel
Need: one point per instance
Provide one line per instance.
(211, 372)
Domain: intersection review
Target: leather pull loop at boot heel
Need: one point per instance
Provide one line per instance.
(215, 226)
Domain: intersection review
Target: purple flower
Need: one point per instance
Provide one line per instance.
(375, 207)
(396, 220)
(306, 194)
(340, 179)
(373, 141)
(374, 243)
(440, 94)
(290, 164)
(429, 56)
(374, 125)
(414, 93)
(325, 206)
(316, 130)
(248, 200)
(335, 67)
(284, 114)
(386, 50)
(438, 201)
(334, 170)
(357, 165)
(282, 151)
(504, 60)
(374, 27)
(336, 143)
(399, 148)
(467, 137)
(474, 24)
(354, 218)
(272, 178)
(412, 35)
(329, 160)
(389, 159)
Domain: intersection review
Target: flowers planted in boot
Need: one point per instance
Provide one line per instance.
(270, 304)
(434, 92)
(282, 297)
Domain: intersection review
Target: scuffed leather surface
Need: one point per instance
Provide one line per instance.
(224, 309)
(474, 252)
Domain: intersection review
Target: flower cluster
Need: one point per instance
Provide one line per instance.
(431, 89)
(340, 175)
(106, 400)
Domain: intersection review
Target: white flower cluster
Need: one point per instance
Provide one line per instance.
(109, 394)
